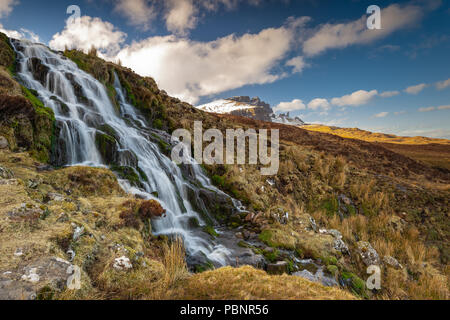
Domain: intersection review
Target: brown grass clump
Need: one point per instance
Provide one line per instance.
(247, 283)
(175, 268)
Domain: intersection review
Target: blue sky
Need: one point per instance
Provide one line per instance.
(314, 58)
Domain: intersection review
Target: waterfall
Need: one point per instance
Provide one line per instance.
(83, 108)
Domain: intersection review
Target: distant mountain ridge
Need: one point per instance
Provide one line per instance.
(253, 108)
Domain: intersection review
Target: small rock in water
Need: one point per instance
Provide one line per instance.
(122, 263)
(239, 235)
(277, 268)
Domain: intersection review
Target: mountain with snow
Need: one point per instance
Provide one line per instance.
(253, 108)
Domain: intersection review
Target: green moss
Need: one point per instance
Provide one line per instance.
(106, 145)
(331, 206)
(244, 244)
(112, 94)
(204, 267)
(7, 54)
(333, 270)
(211, 231)
(218, 180)
(358, 286)
(158, 124)
(128, 173)
(266, 237)
(290, 265)
(329, 260)
(272, 256)
(43, 127)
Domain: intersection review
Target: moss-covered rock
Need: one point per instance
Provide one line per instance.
(107, 147)
(128, 173)
(7, 54)
(28, 124)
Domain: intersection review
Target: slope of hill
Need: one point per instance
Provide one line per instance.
(431, 151)
(355, 133)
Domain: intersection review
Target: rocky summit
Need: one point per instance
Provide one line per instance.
(252, 108)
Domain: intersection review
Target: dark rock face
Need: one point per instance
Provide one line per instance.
(107, 147)
(39, 70)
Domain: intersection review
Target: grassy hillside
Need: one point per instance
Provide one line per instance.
(355, 133)
(433, 152)
(367, 192)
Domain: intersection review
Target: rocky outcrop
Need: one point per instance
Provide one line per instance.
(39, 279)
(26, 126)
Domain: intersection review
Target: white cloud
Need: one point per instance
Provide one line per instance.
(381, 115)
(399, 112)
(86, 32)
(180, 16)
(294, 105)
(394, 17)
(190, 69)
(428, 109)
(6, 7)
(355, 99)
(319, 104)
(443, 84)
(21, 34)
(297, 63)
(415, 89)
(388, 94)
(428, 132)
(139, 12)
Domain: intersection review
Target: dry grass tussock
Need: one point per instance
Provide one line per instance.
(248, 283)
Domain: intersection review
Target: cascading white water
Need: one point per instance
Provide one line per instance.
(79, 119)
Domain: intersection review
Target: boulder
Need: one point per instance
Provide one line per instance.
(340, 245)
(3, 143)
(28, 282)
(392, 262)
(368, 254)
(122, 264)
(335, 233)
